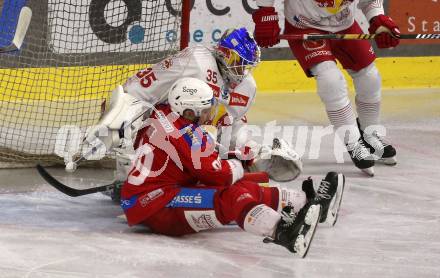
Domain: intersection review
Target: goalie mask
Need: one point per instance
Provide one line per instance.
(192, 94)
(237, 55)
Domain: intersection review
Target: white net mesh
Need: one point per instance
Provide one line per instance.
(74, 53)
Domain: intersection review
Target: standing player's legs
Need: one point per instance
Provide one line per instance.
(317, 58)
(357, 57)
(255, 209)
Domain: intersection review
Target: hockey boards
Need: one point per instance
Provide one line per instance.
(259, 177)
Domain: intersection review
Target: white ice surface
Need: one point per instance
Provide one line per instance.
(389, 226)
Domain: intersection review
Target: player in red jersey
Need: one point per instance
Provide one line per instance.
(179, 185)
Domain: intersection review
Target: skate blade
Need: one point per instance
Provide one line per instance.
(335, 205)
(303, 241)
(369, 171)
(391, 161)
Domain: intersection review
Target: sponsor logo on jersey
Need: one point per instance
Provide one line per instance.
(314, 45)
(202, 220)
(325, 3)
(333, 6)
(254, 214)
(193, 198)
(166, 64)
(128, 203)
(237, 99)
(318, 53)
(149, 197)
(164, 122)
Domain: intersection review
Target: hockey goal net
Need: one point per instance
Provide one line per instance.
(73, 54)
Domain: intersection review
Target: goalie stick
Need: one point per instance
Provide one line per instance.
(24, 20)
(259, 177)
(354, 36)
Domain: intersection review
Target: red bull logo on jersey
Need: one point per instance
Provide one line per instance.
(166, 64)
(325, 3)
(314, 45)
(333, 6)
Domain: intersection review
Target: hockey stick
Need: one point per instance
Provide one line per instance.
(24, 20)
(259, 177)
(354, 36)
(72, 192)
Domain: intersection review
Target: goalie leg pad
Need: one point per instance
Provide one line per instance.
(120, 122)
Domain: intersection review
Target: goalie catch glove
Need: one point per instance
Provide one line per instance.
(280, 161)
(117, 126)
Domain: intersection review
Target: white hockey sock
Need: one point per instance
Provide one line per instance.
(344, 122)
(369, 113)
(261, 220)
(296, 199)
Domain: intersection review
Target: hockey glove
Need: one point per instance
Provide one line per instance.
(388, 31)
(267, 28)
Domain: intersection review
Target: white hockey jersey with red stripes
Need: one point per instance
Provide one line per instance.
(152, 84)
(327, 15)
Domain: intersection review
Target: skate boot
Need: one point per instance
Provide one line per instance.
(361, 156)
(295, 232)
(329, 196)
(381, 150)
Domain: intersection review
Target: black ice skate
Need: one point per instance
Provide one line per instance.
(295, 232)
(381, 150)
(361, 156)
(329, 196)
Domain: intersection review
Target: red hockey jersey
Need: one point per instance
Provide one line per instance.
(172, 152)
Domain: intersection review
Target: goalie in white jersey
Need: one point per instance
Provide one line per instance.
(226, 68)
(364, 140)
